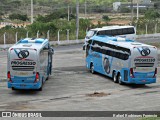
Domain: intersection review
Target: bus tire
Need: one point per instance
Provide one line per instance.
(119, 79)
(115, 77)
(92, 68)
(40, 89)
(47, 77)
(13, 88)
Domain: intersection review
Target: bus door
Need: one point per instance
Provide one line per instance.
(144, 62)
(22, 65)
(96, 54)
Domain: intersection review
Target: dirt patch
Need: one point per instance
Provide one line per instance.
(119, 22)
(98, 94)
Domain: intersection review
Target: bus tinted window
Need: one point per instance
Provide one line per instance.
(114, 32)
(99, 47)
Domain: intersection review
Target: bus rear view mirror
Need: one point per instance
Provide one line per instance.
(51, 50)
(84, 47)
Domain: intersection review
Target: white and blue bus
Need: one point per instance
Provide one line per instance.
(29, 63)
(128, 32)
(124, 60)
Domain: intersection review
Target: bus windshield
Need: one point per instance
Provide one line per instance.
(90, 33)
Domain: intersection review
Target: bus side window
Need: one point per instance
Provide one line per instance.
(120, 32)
(125, 31)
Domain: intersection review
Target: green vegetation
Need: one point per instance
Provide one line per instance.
(150, 20)
(53, 22)
(105, 17)
(52, 15)
(18, 17)
(152, 14)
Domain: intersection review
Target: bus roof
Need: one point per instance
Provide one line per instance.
(119, 41)
(112, 27)
(34, 43)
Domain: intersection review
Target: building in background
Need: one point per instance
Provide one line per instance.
(143, 4)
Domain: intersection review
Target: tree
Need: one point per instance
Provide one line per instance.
(18, 17)
(53, 16)
(105, 17)
(151, 14)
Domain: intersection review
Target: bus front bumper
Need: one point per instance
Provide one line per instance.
(141, 80)
(24, 85)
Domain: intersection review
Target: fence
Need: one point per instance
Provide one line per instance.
(5, 39)
(11, 38)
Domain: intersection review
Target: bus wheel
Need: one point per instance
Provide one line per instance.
(92, 69)
(120, 79)
(13, 88)
(115, 77)
(40, 89)
(47, 77)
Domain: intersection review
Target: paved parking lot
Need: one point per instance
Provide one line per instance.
(71, 88)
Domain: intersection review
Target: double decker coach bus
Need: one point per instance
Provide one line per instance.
(29, 63)
(127, 31)
(123, 60)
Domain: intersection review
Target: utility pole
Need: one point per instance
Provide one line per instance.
(68, 12)
(77, 19)
(137, 10)
(132, 12)
(31, 11)
(85, 5)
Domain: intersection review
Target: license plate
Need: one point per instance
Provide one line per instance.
(22, 73)
(23, 85)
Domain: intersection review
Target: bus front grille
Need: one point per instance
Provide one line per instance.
(144, 64)
(23, 68)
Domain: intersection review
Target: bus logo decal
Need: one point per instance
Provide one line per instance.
(106, 64)
(145, 51)
(23, 54)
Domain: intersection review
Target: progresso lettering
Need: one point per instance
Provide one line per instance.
(137, 60)
(23, 63)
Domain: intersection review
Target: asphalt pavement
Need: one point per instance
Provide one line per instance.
(71, 87)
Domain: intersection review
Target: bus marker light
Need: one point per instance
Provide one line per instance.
(37, 77)
(9, 76)
(131, 72)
